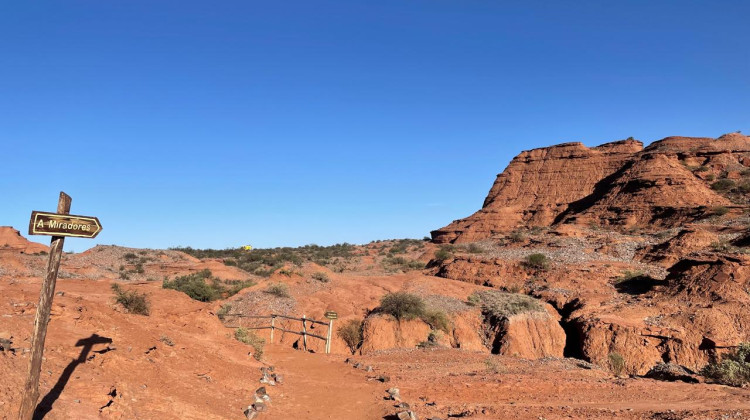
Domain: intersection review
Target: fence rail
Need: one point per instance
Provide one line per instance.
(303, 333)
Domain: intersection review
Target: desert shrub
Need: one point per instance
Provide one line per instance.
(278, 289)
(321, 277)
(401, 263)
(248, 337)
(491, 365)
(130, 256)
(701, 169)
(402, 305)
(474, 249)
(537, 261)
(719, 211)
(516, 236)
(733, 369)
(132, 301)
(166, 340)
(202, 286)
(616, 363)
(351, 332)
(443, 253)
(723, 185)
(710, 177)
(744, 187)
(287, 272)
(474, 300)
(124, 276)
(436, 319)
(223, 311)
(230, 262)
(502, 305)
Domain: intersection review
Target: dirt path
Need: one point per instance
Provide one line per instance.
(318, 386)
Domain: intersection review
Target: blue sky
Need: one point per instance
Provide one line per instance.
(216, 124)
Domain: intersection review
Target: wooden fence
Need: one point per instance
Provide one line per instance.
(304, 333)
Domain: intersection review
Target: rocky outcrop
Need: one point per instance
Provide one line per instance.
(531, 335)
(681, 245)
(382, 332)
(537, 186)
(12, 241)
(620, 184)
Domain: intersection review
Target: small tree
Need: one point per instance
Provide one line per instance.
(402, 305)
(351, 332)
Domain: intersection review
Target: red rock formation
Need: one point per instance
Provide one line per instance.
(614, 184)
(12, 241)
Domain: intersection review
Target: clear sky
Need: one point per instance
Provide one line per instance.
(221, 123)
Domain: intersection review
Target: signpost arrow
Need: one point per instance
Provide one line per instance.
(59, 225)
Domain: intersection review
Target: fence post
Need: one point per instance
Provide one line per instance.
(328, 336)
(273, 318)
(304, 331)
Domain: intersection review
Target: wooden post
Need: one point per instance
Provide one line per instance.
(304, 331)
(328, 336)
(273, 318)
(31, 389)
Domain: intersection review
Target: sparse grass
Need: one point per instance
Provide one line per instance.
(516, 236)
(733, 369)
(491, 366)
(402, 305)
(437, 320)
(321, 277)
(723, 185)
(278, 289)
(223, 311)
(537, 261)
(616, 363)
(474, 249)
(500, 305)
(351, 332)
(248, 337)
(400, 263)
(204, 287)
(719, 211)
(132, 301)
(166, 340)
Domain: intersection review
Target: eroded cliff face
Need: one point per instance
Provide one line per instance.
(617, 184)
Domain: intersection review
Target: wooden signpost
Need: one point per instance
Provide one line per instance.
(331, 316)
(59, 225)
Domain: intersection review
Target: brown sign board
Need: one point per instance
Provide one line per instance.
(331, 315)
(56, 224)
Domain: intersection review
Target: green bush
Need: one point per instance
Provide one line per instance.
(248, 337)
(516, 236)
(723, 185)
(616, 363)
(321, 277)
(132, 301)
(203, 287)
(500, 305)
(733, 369)
(402, 305)
(537, 261)
(278, 289)
(351, 332)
